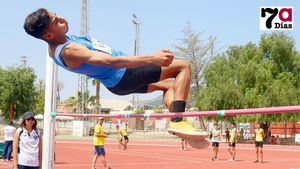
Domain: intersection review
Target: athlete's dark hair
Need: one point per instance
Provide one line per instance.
(37, 22)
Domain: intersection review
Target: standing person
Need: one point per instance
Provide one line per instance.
(27, 145)
(269, 137)
(183, 145)
(120, 73)
(241, 135)
(227, 135)
(277, 139)
(247, 134)
(9, 132)
(99, 138)
(232, 141)
(215, 141)
(259, 142)
(125, 136)
(120, 137)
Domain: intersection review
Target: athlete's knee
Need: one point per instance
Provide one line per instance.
(185, 65)
(169, 85)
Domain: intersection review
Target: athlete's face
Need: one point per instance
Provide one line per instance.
(57, 27)
(101, 121)
(258, 126)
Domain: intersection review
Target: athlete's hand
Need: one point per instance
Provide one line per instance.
(163, 58)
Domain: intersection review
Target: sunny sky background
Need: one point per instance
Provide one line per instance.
(232, 22)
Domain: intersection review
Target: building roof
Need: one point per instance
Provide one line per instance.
(115, 104)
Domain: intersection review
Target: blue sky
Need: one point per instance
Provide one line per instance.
(232, 22)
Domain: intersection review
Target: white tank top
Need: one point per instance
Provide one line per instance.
(29, 148)
(9, 132)
(216, 138)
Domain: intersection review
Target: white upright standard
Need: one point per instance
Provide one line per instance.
(49, 121)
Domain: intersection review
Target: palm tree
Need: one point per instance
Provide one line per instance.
(96, 83)
(59, 87)
(72, 102)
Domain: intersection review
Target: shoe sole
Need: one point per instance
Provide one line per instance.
(195, 140)
(189, 134)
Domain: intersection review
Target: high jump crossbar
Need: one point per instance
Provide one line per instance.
(233, 112)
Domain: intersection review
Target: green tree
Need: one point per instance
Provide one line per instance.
(198, 53)
(17, 87)
(40, 98)
(252, 76)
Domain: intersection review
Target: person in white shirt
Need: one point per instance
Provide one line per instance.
(9, 132)
(215, 141)
(27, 145)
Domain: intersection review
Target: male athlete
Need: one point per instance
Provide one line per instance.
(232, 142)
(215, 141)
(119, 73)
(259, 142)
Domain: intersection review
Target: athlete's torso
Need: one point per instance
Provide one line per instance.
(233, 133)
(109, 76)
(259, 134)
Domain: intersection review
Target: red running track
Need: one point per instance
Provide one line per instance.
(77, 154)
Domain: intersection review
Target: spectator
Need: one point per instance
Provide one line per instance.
(99, 138)
(232, 142)
(120, 137)
(268, 139)
(27, 144)
(259, 138)
(9, 132)
(247, 134)
(227, 135)
(277, 139)
(241, 135)
(125, 136)
(215, 141)
(183, 145)
(273, 139)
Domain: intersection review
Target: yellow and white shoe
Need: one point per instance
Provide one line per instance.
(196, 138)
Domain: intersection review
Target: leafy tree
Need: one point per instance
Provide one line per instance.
(198, 53)
(40, 97)
(252, 76)
(17, 87)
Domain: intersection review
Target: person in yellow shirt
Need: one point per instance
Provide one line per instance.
(99, 138)
(232, 141)
(125, 136)
(120, 137)
(259, 142)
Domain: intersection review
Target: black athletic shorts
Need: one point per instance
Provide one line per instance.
(215, 144)
(259, 144)
(136, 80)
(231, 144)
(125, 137)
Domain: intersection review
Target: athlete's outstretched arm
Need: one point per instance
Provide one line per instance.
(76, 54)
